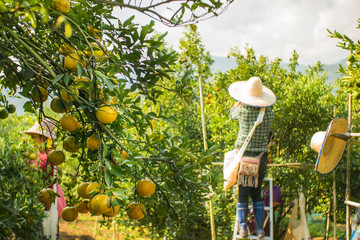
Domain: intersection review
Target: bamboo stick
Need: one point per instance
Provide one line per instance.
(348, 230)
(212, 221)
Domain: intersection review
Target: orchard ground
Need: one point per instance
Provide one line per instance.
(85, 227)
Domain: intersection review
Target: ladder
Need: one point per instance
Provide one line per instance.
(269, 217)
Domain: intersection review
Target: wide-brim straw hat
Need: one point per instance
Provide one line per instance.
(252, 93)
(330, 148)
(46, 128)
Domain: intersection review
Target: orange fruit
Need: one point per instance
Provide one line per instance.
(70, 144)
(210, 95)
(217, 89)
(106, 114)
(113, 211)
(39, 93)
(62, 6)
(92, 189)
(4, 113)
(47, 196)
(11, 108)
(56, 157)
(101, 204)
(145, 187)
(124, 154)
(207, 101)
(69, 123)
(69, 95)
(135, 211)
(69, 214)
(93, 31)
(82, 207)
(81, 189)
(66, 49)
(93, 142)
(98, 52)
(70, 62)
(57, 105)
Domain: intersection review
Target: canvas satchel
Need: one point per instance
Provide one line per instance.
(233, 158)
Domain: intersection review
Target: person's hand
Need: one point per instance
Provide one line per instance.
(237, 104)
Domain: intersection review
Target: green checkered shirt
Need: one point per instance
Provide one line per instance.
(247, 117)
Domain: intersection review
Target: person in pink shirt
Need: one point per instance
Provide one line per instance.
(43, 136)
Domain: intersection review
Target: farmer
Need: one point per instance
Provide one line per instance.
(43, 135)
(251, 96)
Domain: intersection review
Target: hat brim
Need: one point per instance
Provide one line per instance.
(238, 91)
(332, 148)
(37, 130)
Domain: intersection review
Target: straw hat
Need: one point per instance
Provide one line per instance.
(46, 128)
(330, 148)
(252, 93)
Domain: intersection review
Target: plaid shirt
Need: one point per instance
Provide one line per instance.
(247, 117)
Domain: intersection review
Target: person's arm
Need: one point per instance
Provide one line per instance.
(235, 111)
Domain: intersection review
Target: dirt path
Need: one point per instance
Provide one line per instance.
(84, 229)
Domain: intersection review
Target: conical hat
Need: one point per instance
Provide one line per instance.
(46, 128)
(252, 93)
(330, 148)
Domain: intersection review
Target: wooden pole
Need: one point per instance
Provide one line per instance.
(334, 193)
(348, 227)
(212, 221)
(334, 203)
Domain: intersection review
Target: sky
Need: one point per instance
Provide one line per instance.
(275, 28)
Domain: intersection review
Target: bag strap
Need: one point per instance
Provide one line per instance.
(259, 120)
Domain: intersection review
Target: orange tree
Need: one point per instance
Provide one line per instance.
(305, 105)
(181, 106)
(96, 70)
(349, 84)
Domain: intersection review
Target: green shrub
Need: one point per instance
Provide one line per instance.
(21, 213)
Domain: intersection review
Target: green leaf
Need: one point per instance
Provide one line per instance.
(108, 178)
(58, 77)
(193, 27)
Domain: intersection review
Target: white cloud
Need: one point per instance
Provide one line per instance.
(275, 28)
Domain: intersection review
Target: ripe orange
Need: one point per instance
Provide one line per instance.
(207, 101)
(124, 154)
(98, 52)
(70, 62)
(92, 189)
(93, 213)
(93, 31)
(69, 123)
(210, 95)
(113, 211)
(47, 196)
(56, 157)
(217, 89)
(69, 214)
(69, 94)
(57, 105)
(145, 187)
(93, 142)
(135, 211)
(66, 49)
(106, 114)
(70, 144)
(39, 93)
(81, 189)
(82, 207)
(101, 204)
(62, 6)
